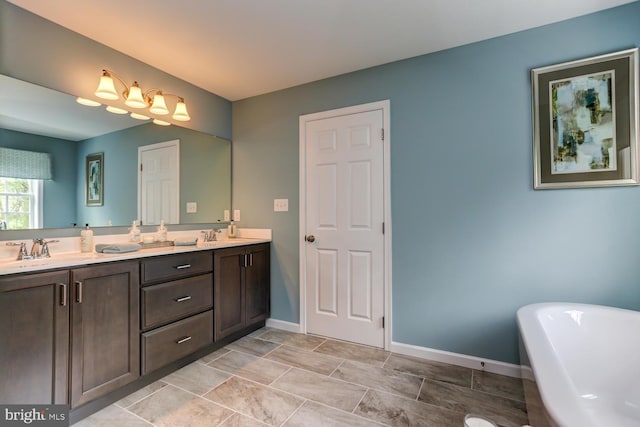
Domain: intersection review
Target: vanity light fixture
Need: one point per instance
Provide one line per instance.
(154, 99)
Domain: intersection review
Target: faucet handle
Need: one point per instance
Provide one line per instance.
(44, 250)
(22, 252)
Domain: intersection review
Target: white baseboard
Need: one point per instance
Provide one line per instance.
(473, 362)
(281, 324)
(458, 359)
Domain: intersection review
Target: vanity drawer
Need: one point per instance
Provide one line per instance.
(174, 300)
(172, 342)
(175, 266)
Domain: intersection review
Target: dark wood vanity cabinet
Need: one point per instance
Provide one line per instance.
(177, 298)
(105, 328)
(34, 338)
(241, 287)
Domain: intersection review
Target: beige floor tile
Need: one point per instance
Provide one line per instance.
(198, 412)
(379, 378)
(249, 366)
(254, 346)
(430, 369)
(197, 378)
(260, 402)
(311, 361)
(140, 394)
(505, 412)
(162, 404)
(355, 352)
(239, 420)
(313, 414)
(213, 356)
(305, 342)
(399, 411)
(499, 385)
(320, 388)
(112, 416)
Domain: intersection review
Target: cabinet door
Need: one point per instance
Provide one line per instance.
(257, 282)
(228, 288)
(105, 345)
(34, 338)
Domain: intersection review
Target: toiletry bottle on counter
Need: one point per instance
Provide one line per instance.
(162, 231)
(231, 230)
(86, 240)
(134, 232)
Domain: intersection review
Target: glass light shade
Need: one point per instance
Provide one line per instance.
(159, 107)
(106, 88)
(134, 97)
(116, 110)
(139, 116)
(87, 102)
(161, 122)
(181, 113)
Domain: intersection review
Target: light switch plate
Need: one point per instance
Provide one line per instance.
(281, 205)
(192, 207)
(227, 216)
(236, 214)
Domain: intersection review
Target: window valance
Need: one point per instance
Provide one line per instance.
(24, 164)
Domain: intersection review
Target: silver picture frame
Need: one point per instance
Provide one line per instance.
(585, 122)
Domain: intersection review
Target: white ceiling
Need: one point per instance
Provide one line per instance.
(242, 48)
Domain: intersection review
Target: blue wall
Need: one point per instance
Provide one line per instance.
(59, 197)
(472, 241)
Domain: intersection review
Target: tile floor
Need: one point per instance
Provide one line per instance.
(278, 378)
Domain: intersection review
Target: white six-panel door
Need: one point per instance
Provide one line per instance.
(159, 183)
(344, 249)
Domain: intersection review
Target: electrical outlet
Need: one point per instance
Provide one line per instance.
(281, 205)
(227, 216)
(192, 207)
(236, 214)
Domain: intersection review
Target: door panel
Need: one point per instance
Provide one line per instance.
(345, 212)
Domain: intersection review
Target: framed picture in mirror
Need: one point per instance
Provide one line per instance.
(585, 125)
(94, 181)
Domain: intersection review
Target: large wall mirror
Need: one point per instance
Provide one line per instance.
(39, 119)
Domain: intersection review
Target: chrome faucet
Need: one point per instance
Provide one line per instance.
(209, 236)
(40, 249)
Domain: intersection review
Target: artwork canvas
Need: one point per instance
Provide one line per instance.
(583, 114)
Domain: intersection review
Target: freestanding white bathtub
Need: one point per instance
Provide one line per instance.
(586, 362)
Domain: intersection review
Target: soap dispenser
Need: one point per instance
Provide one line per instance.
(86, 239)
(134, 232)
(162, 232)
(231, 230)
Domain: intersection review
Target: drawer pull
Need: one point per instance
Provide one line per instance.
(185, 339)
(183, 266)
(181, 299)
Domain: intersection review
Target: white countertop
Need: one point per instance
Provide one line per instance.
(76, 258)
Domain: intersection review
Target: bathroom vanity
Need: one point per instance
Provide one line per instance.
(86, 333)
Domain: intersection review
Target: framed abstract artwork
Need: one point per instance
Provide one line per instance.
(585, 119)
(94, 179)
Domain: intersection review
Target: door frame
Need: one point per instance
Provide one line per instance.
(385, 106)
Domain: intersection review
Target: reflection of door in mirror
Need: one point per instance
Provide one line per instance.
(159, 183)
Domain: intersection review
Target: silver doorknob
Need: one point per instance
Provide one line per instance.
(310, 238)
